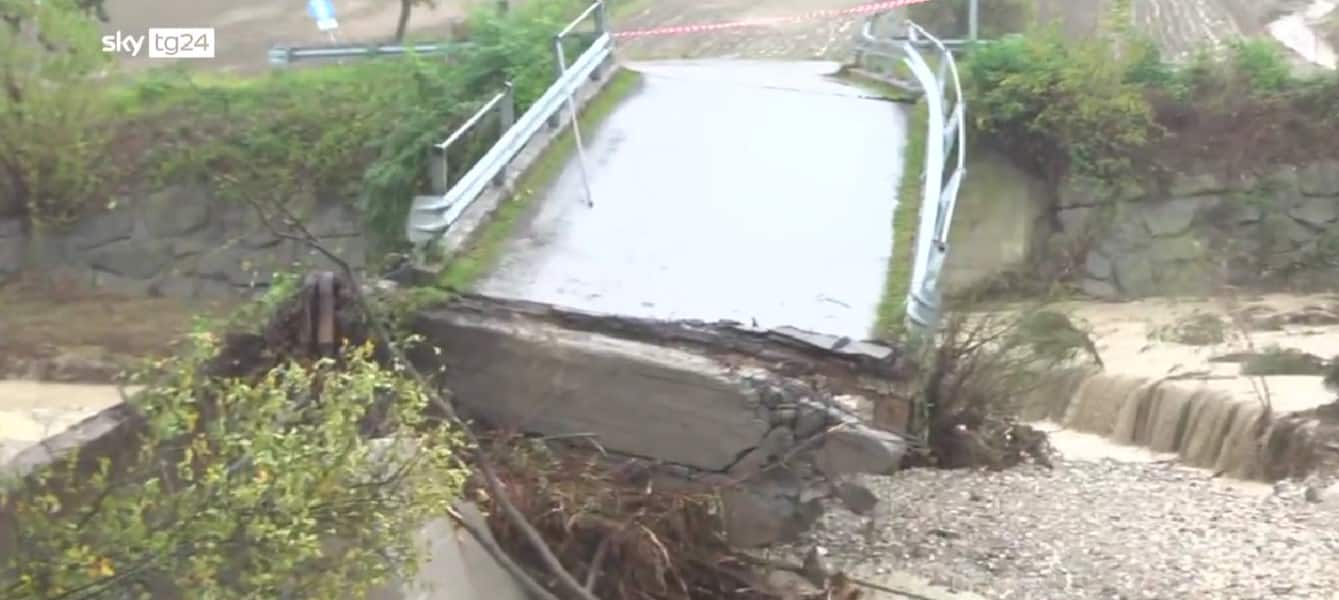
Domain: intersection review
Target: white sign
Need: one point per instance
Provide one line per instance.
(163, 42)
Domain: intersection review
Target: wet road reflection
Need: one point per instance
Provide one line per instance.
(723, 190)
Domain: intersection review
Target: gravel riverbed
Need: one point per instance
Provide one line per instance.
(1091, 529)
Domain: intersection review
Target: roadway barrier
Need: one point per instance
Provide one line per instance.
(945, 153)
(432, 215)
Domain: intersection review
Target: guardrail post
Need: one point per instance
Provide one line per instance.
(601, 19)
(559, 68)
(439, 171)
(506, 118)
(280, 56)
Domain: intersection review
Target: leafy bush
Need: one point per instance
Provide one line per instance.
(1061, 107)
(1261, 64)
(1110, 108)
(261, 487)
(51, 128)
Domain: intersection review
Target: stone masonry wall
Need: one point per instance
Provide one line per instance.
(1279, 230)
(181, 241)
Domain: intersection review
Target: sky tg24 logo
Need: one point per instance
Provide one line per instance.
(163, 42)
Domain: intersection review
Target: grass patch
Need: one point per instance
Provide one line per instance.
(484, 251)
(890, 320)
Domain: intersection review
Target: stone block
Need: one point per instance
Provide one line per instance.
(1179, 248)
(11, 228)
(1075, 220)
(1319, 179)
(1134, 273)
(176, 210)
(1185, 185)
(100, 229)
(334, 219)
(767, 511)
(1170, 217)
(13, 247)
(132, 259)
(1098, 266)
(1096, 288)
(857, 449)
(1316, 212)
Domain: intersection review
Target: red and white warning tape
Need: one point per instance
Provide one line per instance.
(828, 13)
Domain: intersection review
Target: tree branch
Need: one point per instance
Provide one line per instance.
(377, 325)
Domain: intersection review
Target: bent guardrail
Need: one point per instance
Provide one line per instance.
(945, 151)
(432, 215)
(947, 137)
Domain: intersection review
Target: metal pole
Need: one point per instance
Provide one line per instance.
(973, 20)
(576, 127)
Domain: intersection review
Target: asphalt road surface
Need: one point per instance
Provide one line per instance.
(723, 190)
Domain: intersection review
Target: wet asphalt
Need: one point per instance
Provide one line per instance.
(742, 190)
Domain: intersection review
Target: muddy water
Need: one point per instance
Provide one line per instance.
(1297, 32)
(1137, 411)
(32, 411)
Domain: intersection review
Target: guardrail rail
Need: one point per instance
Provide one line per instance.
(282, 56)
(432, 215)
(945, 149)
(945, 152)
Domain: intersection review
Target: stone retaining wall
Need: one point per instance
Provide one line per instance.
(1209, 228)
(181, 241)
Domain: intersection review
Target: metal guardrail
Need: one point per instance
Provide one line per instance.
(431, 216)
(947, 115)
(282, 56)
(439, 167)
(947, 132)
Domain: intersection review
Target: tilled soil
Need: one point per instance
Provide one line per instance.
(1092, 529)
(823, 38)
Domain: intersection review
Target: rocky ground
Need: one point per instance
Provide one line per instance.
(1092, 529)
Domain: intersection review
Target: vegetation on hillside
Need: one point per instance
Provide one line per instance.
(358, 131)
(1113, 109)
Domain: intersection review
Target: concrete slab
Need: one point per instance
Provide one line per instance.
(723, 190)
(32, 411)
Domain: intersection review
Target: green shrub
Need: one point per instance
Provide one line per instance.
(1060, 107)
(243, 488)
(1261, 64)
(50, 123)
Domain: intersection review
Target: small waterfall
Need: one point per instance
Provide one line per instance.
(1206, 428)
